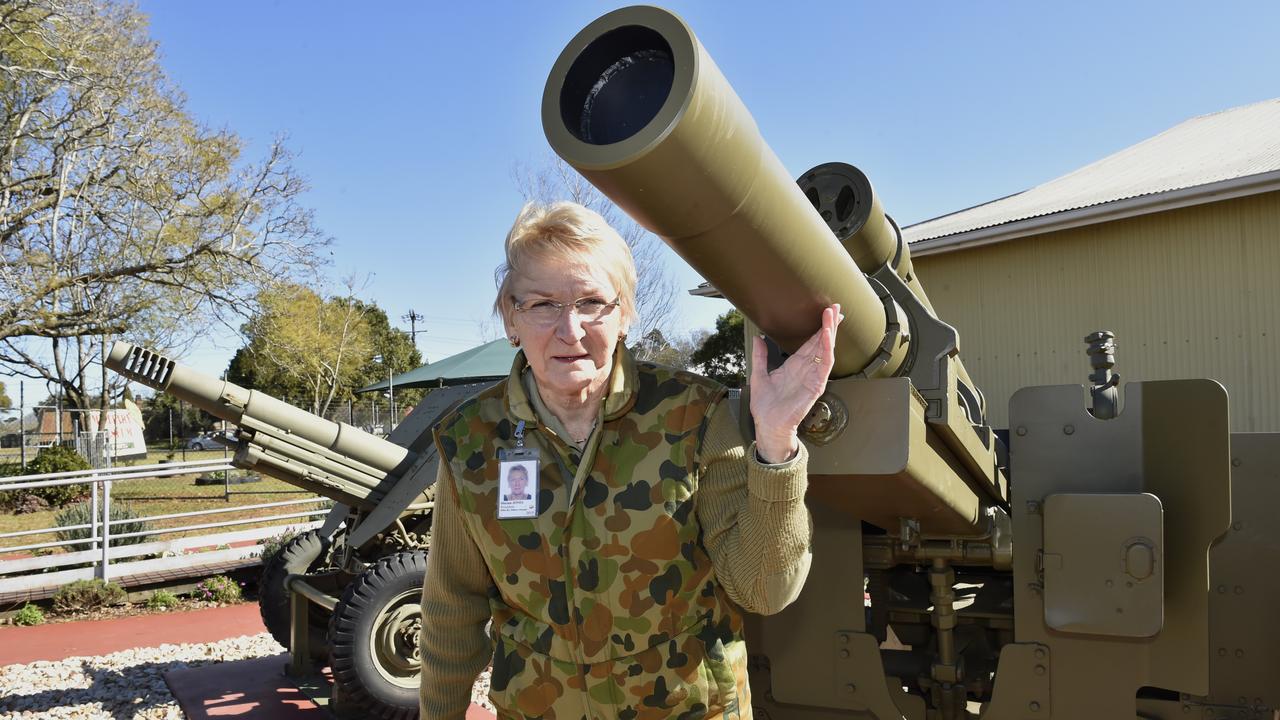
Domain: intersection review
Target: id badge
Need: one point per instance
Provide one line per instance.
(518, 484)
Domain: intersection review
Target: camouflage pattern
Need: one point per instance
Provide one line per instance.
(606, 604)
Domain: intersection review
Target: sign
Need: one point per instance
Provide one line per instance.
(124, 431)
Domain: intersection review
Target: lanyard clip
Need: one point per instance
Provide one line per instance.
(519, 434)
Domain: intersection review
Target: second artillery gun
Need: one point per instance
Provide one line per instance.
(361, 572)
(1116, 561)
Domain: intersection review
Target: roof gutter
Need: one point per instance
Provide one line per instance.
(1104, 212)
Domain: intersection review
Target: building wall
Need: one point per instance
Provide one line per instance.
(1193, 292)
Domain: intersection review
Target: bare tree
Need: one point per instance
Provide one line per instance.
(676, 351)
(118, 211)
(656, 289)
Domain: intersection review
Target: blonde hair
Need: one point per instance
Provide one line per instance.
(570, 233)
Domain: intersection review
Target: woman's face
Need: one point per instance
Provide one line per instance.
(517, 479)
(572, 355)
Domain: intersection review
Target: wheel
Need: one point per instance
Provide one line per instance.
(373, 637)
(302, 554)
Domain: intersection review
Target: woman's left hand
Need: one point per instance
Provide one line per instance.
(781, 399)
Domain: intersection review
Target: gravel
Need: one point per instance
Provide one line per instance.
(128, 684)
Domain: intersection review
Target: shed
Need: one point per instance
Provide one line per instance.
(1173, 244)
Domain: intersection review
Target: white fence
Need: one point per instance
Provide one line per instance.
(28, 575)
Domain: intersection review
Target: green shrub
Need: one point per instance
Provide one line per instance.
(28, 503)
(28, 615)
(162, 600)
(219, 589)
(79, 514)
(273, 544)
(87, 595)
(10, 500)
(55, 458)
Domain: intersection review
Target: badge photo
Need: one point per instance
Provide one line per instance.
(518, 488)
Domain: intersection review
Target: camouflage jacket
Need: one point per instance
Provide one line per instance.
(605, 605)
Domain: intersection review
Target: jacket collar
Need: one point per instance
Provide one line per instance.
(618, 400)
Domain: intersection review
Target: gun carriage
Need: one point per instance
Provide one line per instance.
(1112, 559)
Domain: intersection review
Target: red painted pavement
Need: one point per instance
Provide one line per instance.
(57, 641)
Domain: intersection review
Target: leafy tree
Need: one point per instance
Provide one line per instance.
(656, 287)
(243, 371)
(164, 412)
(722, 355)
(5, 402)
(369, 348)
(306, 348)
(394, 349)
(118, 210)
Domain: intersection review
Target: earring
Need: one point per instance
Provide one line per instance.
(515, 341)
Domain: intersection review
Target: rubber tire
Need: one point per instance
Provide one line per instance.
(301, 554)
(355, 673)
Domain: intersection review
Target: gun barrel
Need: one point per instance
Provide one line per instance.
(638, 107)
(369, 456)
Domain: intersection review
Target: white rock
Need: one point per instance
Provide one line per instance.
(129, 683)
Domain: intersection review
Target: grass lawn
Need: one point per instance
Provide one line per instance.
(176, 494)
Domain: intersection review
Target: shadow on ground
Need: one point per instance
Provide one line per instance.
(254, 688)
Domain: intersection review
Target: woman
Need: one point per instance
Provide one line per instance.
(619, 592)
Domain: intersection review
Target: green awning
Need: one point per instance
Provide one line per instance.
(491, 360)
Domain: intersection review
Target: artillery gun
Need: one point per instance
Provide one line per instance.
(1115, 560)
(347, 593)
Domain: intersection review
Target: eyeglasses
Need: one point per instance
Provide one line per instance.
(548, 312)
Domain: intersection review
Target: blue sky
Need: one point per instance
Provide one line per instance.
(409, 117)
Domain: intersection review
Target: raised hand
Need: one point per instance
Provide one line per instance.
(781, 399)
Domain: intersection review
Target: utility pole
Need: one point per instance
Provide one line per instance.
(22, 425)
(413, 318)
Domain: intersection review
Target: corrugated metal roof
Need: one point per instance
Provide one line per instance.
(1204, 150)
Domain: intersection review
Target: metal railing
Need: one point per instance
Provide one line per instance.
(26, 573)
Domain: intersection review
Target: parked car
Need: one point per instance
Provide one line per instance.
(204, 441)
